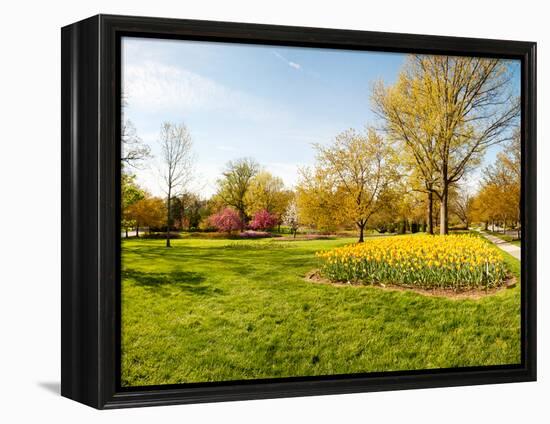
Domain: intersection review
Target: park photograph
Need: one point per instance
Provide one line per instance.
(298, 212)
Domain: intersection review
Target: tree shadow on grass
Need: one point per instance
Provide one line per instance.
(164, 283)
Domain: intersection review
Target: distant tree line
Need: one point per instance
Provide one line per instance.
(438, 120)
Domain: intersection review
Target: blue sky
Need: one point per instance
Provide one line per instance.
(266, 102)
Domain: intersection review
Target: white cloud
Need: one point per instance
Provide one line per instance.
(290, 63)
(156, 87)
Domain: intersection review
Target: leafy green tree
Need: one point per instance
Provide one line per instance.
(234, 185)
(267, 192)
(130, 194)
(447, 111)
(500, 194)
(352, 174)
(197, 210)
(148, 211)
(188, 210)
(319, 202)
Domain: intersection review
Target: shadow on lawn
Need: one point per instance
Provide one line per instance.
(164, 283)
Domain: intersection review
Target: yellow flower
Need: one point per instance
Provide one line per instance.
(443, 258)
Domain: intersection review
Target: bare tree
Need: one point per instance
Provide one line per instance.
(462, 205)
(177, 158)
(134, 151)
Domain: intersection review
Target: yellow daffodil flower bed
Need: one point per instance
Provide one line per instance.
(424, 261)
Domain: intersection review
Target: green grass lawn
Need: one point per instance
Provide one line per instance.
(214, 309)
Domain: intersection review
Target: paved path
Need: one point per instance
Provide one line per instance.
(510, 248)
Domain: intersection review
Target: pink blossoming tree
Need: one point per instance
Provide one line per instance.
(227, 220)
(263, 220)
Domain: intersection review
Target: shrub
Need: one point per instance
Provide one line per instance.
(263, 220)
(226, 220)
(452, 261)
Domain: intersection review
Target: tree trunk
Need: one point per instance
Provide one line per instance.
(361, 232)
(430, 213)
(168, 218)
(243, 220)
(486, 225)
(294, 231)
(444, 213)
(137, 230)
(126, 229)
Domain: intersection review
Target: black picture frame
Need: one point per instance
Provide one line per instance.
(90, 178)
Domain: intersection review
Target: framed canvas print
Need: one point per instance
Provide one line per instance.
(254, 211)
